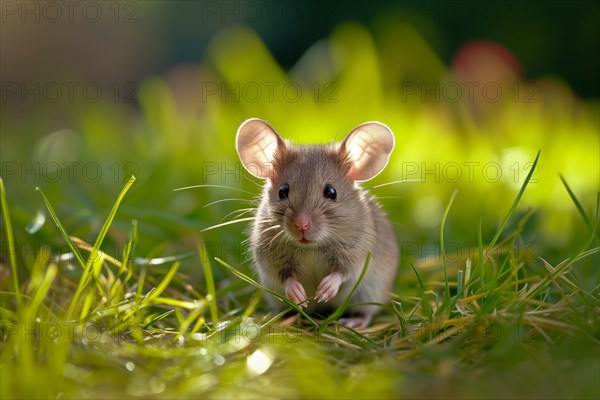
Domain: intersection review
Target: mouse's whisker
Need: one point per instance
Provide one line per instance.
(395, 182)
(230, 199)
(214, 186)
(268, 221)
(272, 227)
(240, 213)
(275, 237)
(390, 197)
(235, 221)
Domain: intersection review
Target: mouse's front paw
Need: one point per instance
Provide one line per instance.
(295, 292)
(328, 287)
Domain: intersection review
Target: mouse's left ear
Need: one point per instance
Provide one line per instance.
(368, 148)
(257, 144)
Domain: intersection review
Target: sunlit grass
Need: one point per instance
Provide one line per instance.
(139, 332)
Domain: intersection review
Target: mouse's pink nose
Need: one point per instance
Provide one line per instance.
(302, 222)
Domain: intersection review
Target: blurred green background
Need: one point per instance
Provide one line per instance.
(95, 93)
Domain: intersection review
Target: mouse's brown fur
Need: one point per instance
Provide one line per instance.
(326, 259)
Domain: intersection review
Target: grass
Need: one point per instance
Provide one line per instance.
(94, 326)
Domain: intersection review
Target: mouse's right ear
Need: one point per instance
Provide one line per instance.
(257, 143)
(368, 148)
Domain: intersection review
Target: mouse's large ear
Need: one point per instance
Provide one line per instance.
(257, 143)
(368, 148)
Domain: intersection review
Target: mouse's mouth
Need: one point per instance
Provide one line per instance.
(303, 237)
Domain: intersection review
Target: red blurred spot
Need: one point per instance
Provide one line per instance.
(486, 61)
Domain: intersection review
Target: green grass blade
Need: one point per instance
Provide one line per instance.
(187, 322)
(210, 284)
(62, 230)
(479, 267)
(140, 283)
(251, 307)
(40, 293)
(94, 255)
(460, 283)
(126, 263)
(252, 282)
(67, 238)
(342, 307)
(186, 305)
(125, 266)
(127, 251)
(480, 242)
(516, 202)
(158, 318)
(580, 254)
(87, 304)
(576, 202)
(200, 322)
(164, 283)
(94, 273)
(467, 277)
(447, 287)
(425, 300)
(11, 246)
(275, 318)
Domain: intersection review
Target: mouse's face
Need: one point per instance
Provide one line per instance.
(312, 192)
(311, 196)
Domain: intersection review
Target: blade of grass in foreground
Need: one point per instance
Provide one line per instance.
(210, 284)
(576, 202)
(40, 293)
(87, 273)
(164, 283)
(342, 307)
(125, 266)
(261, 287)
(447, 287)
(516, 202)
(424, 299)
(581, 252)
(62, 230)
(128, 257)
(11, 245)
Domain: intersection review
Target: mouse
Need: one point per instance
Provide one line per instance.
(315, 224)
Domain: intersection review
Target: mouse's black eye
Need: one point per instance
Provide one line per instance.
(329, 192)
(284, 190)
